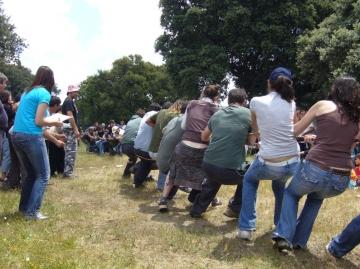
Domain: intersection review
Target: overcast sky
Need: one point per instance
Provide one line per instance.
(78, 37)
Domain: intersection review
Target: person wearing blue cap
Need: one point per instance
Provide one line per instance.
(272, 123)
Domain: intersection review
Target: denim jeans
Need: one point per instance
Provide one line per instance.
(349, 238)
(101, 146)
(33, 157)
(317, 184)
(260, 170)
(161, 181)
(6, 160)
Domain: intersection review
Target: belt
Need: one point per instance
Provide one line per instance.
(332, 170)
(283, 163)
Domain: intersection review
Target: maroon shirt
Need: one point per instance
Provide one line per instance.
(335, 134)
(198, 113)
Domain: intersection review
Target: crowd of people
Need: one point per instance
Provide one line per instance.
(100, 138)
(197, 146)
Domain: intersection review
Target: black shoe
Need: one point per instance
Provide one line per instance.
(163, 205)
(231, 213)
(282, 245)
(195, 215)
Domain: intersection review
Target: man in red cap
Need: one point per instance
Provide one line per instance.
(71, 130)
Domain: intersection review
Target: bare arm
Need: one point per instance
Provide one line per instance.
(301, 125)
(254, 126)
(73, 124)
(40, 119)
(51, 137)
(205, 134)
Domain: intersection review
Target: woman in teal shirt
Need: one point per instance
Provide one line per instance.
(29, 143)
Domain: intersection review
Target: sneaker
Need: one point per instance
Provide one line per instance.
(245, 235)
(37, 216)
(185, 189)
(195, 215)
(163, 205)
(282, 245)
(216, 202)
(231, 213)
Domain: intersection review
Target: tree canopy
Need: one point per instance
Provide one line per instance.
(119, 92)
(333, 48)
(11, 46)
(203, 41)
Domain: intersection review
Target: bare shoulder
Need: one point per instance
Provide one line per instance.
(324, 106)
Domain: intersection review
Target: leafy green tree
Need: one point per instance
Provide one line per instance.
(19, 77)
(117, 93)
(333, 48)
(203, 41)
(11, 45)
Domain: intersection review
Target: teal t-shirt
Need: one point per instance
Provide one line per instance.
(131, 130)
(25, 115)
(230, 127)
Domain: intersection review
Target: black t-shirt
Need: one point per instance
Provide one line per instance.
(69, 105)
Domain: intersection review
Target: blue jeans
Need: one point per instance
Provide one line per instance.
(6, 160)
(260, 170)
(101, 146)
(317, 184)
(349, 238)
(161, 181)
(33, 157)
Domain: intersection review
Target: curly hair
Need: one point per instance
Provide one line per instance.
(345, 93)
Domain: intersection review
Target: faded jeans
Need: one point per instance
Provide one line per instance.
(33, 157)
(317, 184)
(260, 170)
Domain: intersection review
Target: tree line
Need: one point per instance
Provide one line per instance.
(209, 41)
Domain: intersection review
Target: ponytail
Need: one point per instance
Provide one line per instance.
(283, 86)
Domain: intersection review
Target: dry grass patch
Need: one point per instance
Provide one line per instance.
(99, 221)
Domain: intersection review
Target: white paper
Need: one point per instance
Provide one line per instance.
(58, 117)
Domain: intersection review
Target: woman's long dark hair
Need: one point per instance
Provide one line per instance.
(283, 86)
(44, 77)
(345, 93)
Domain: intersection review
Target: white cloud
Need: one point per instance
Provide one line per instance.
(54, 38)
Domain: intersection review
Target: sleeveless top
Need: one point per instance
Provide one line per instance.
(198, 113)
(335, 136)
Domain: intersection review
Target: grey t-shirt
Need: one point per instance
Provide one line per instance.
(275, 120)
(172, 134)
(131, 130)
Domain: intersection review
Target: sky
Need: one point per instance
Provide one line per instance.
(76, 38)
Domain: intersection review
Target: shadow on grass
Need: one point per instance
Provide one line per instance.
(234, 250)
(181, 219)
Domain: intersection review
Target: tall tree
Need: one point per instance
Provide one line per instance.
(333, 48)
(203, 41)
(19, 77)
(117, 93)
(11, 45)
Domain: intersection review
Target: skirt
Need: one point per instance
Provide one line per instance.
(185, 166)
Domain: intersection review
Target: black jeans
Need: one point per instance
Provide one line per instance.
(144, 167)
(129, 150)
(215, 177)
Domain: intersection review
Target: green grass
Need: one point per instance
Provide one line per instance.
(99, 221)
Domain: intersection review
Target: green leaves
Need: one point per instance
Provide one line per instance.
(118, 93)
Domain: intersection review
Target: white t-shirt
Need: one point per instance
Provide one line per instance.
(275, 120)
(144, 134)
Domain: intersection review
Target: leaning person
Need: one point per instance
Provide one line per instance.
(29, 143)
(229, 129)
(185, 166)
(273, 123)
(325, 172)
(127, 142)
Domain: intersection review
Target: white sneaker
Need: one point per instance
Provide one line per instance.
(245, 235)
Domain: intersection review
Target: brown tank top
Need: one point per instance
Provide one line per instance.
(335, 136)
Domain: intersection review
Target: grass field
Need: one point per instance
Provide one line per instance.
(99, 221)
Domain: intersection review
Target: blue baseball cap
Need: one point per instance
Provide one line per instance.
(280, 71)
